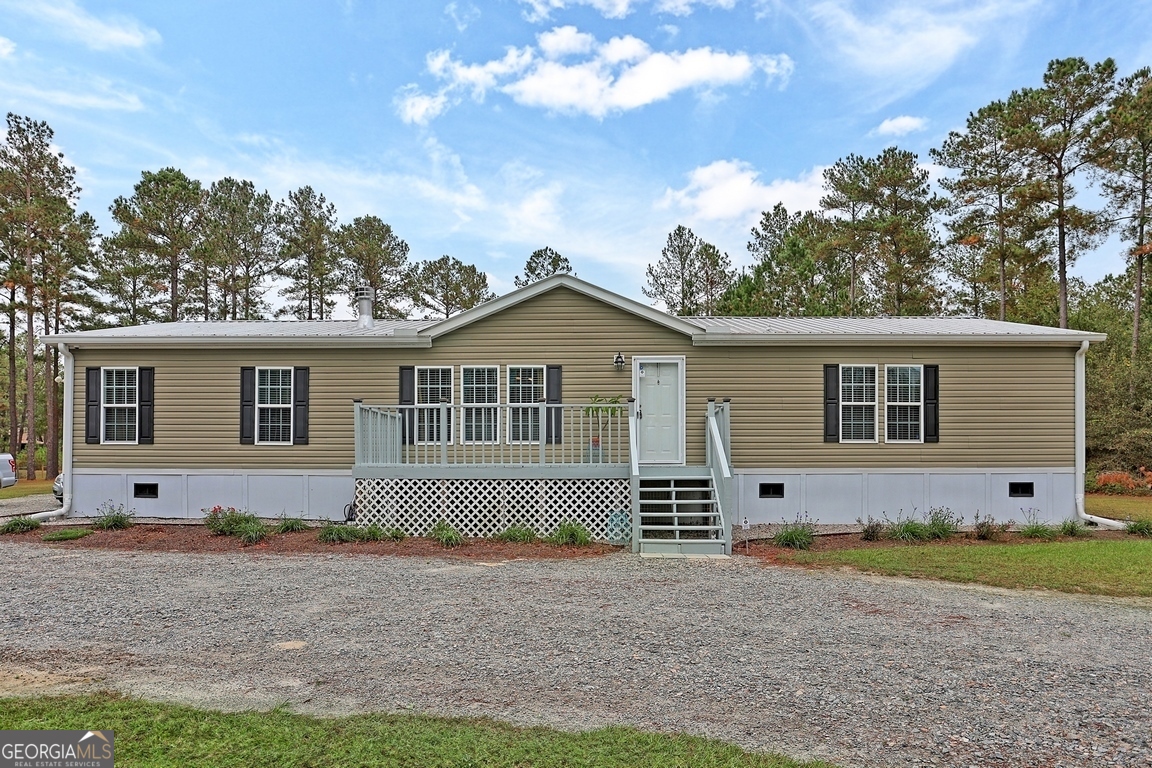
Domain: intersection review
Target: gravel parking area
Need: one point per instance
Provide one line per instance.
(27, 505)
(858, 670)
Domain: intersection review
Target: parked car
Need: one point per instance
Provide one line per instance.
(58, 487)
(7, 470)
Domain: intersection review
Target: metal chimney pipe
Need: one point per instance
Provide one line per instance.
(364, 296)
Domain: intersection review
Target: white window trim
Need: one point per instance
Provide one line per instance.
(291, 404)
(427, 406)
(875, 403)
(511, 405)
(903, 365)
(495, 406)
(104, 406)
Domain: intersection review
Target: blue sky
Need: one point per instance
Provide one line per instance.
(486, 130)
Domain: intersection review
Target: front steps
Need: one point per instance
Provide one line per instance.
(679, 513)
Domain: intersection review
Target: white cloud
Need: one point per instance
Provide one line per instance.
(904, 44)
(72, 21)
(7, 47)
(93, 94)
(563, 41)
(901, 126)
(731, 191)
(619, 75)
(685, 7)
(462, 17)
(541, 10)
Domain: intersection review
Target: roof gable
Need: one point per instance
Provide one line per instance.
(521, 295)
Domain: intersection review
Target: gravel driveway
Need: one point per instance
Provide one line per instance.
(858, 670)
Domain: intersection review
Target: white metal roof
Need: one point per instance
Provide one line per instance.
(702, 330)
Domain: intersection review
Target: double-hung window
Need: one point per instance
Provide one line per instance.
(857, 403)
(433, 385)
(525, 390)
(903, 403)
(480, 396)
(119, 405)
(274, 406)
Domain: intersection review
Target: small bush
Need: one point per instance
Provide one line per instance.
(987, 529)
(942, 523)
(909, 530)
(1122, 480)
(19, 525)
(1073, 528)
(227, 521)
(516, 534)
(394, 534)
(291, 525)
(445, 535)
(570, 533)
(372, 533)
(1139, 527)
(250, 531)
(113, 518)
(799, 534)
(873, 530)
(1034, 528)
(339, 533)
(66, 534)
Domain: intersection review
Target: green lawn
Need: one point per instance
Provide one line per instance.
(1119, 507)
(26, 488)
(149, 734)
(1122, 568)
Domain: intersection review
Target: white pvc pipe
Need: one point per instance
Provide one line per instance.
(1082, 443)
(69, 406)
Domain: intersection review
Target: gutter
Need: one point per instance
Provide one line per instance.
(1081, 444)
(842, 339)
(69, 408)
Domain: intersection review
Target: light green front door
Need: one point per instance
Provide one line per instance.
(659, 391)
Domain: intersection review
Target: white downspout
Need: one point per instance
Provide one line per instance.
(1082, 442)
(69, 409)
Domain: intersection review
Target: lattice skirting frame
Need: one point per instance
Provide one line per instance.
(484, 507)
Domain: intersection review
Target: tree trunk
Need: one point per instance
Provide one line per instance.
(50, 427)
(30, 378)
(1003, 260)
(1062, 255)
(13, 416)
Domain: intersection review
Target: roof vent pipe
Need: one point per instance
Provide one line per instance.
(364, 296)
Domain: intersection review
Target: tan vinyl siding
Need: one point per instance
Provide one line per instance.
(1009, 406)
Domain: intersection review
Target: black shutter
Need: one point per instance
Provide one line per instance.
(299, 406)
(146, 402)
(832, 403)
(931, 403)
(247, 406)
(92, 405)
(408, 397)
(554, 393)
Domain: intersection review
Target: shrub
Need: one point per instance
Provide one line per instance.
(1073, 527)
(908, 530)
(338, 533)
(19, 525)
(516, 534)
(291, 525)
(372, 533)
(250, 531)
(942, 523)
(66, 534)
(1139, 527)
(799, 534)
(570, 533)
(1034, 528)
(113, 518)
(987, 529)
(394, 534)
(1115, 481)
(873, 529)
(445, 535)
(226, 521)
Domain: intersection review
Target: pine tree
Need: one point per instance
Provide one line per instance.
(371, 254)
(544, 262)
(446, 286)
(241, 249)
(307, 221)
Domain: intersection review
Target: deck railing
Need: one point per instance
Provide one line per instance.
(492, 434)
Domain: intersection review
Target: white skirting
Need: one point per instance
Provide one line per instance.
(318, 494)
(842, 496)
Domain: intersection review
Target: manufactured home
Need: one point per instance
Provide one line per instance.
(564, 401)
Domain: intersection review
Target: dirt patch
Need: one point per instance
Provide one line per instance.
(766, 550)
(196, 538)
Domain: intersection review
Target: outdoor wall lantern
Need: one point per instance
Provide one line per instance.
(618, 361)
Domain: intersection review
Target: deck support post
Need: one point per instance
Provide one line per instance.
(443, 431)
(542, 412)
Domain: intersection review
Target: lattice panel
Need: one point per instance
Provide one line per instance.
(486, 507)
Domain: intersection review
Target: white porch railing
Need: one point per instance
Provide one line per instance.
(497, 434)
(718, 447)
